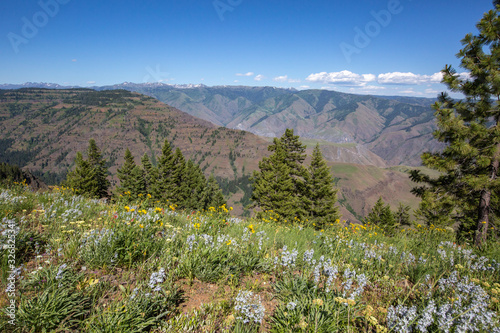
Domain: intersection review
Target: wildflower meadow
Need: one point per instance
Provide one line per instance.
(86, 265)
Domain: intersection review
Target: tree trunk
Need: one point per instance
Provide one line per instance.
(484, 202)
(483, 218)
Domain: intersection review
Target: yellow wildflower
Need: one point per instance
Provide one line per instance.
(318, 302)
(303, 325)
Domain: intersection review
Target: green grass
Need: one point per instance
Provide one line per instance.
(91, 266)
(344, 169)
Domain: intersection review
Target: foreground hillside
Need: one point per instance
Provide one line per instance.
(85, 265)
(397, 129)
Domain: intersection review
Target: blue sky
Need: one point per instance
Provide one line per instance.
(385, 47)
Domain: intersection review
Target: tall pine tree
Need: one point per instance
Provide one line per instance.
(90, 175)
(79, 178)
(212, 195)
(150, 175)
(273, 186)
(471, 129)
(286, 187)
(321, 193)
(164, 186)
(295, 154)
(99, 171)
(381, 215)
(125, 172)
(138, 182)
(179, 186)
(195, 184)
(402, 214)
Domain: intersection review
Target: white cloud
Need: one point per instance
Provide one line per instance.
(368, 90)
(283, 78)
(410, 92)
(371, 87)
(343, 77)
(464, 75)
(436, 77)
(304, 87)
(431, 91)
(236, 81)
(90, 82)
(246, 74)
(408, 78)
(259, 77)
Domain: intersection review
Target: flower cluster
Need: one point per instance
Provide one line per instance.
(249, 307)
(60, 272)
(288, 258)
(467, 310)
(156, 279)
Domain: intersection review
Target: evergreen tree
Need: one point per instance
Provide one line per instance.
(321, 194)
(138, 182)
(99, 171)
(164, 186)
(90, 176)
(125, 172)
(402, 214)
(294, 157)
(294, 152)
(375, 215)
(179, 186)
(435, 210)
(471, 129)
(79, 178)
(382, 216)
(150, 175)
(195, 184)
(11, 173)
(273, 187)
(286, 187)
(212, 195)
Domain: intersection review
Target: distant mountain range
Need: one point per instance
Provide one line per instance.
(367, 129)
(398, 129)
(35, 85)
(42, 129)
